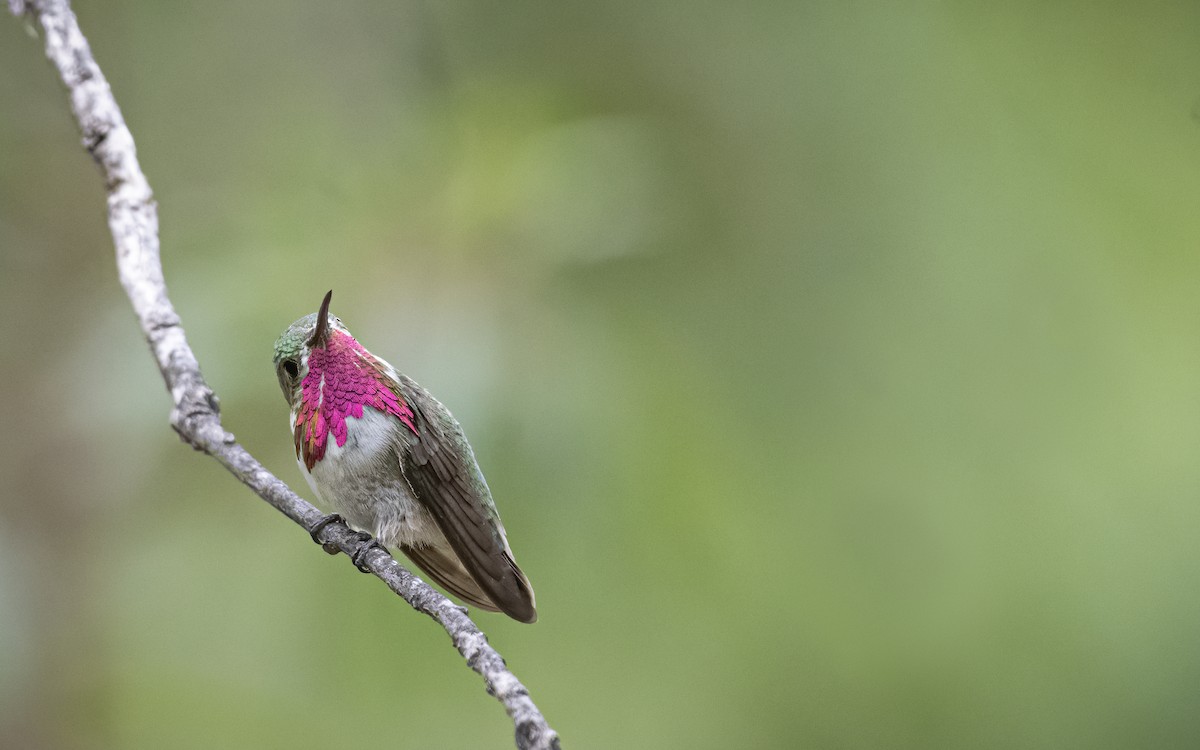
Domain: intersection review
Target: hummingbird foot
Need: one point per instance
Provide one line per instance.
(329, 547)
(368, 543)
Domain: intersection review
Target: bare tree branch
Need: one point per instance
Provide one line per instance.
(133, 219)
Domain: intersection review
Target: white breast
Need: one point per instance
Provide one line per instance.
(362, 480)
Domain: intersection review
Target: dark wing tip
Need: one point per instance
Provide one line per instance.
(517, 601)
(526, 613)
(443, 565)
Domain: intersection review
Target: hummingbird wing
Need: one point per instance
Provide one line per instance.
(440, 562)
(440, 467)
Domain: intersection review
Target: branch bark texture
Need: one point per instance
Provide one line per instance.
(133, 219)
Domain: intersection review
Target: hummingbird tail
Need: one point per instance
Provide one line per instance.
(444, 567)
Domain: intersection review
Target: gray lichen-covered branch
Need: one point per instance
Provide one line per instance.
(133, 219)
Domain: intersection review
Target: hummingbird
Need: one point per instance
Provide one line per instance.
(390, 461)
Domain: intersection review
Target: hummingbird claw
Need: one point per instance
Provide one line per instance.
(329, 547)
(367, 544)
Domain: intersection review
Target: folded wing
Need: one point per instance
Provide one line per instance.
(441, 469)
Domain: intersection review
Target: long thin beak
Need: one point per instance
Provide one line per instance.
(321, 332)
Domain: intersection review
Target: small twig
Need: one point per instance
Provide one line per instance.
(133, 219)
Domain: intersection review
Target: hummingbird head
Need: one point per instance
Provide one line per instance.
(328, 377)
(294, 345)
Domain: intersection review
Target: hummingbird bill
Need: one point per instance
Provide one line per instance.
(386, 457)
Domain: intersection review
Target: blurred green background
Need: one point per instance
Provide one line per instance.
(836, 368)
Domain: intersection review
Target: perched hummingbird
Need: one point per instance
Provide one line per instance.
(390, 460)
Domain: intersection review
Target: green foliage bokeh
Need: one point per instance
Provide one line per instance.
(834, 367)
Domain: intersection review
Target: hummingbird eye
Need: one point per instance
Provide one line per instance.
(291, 368)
